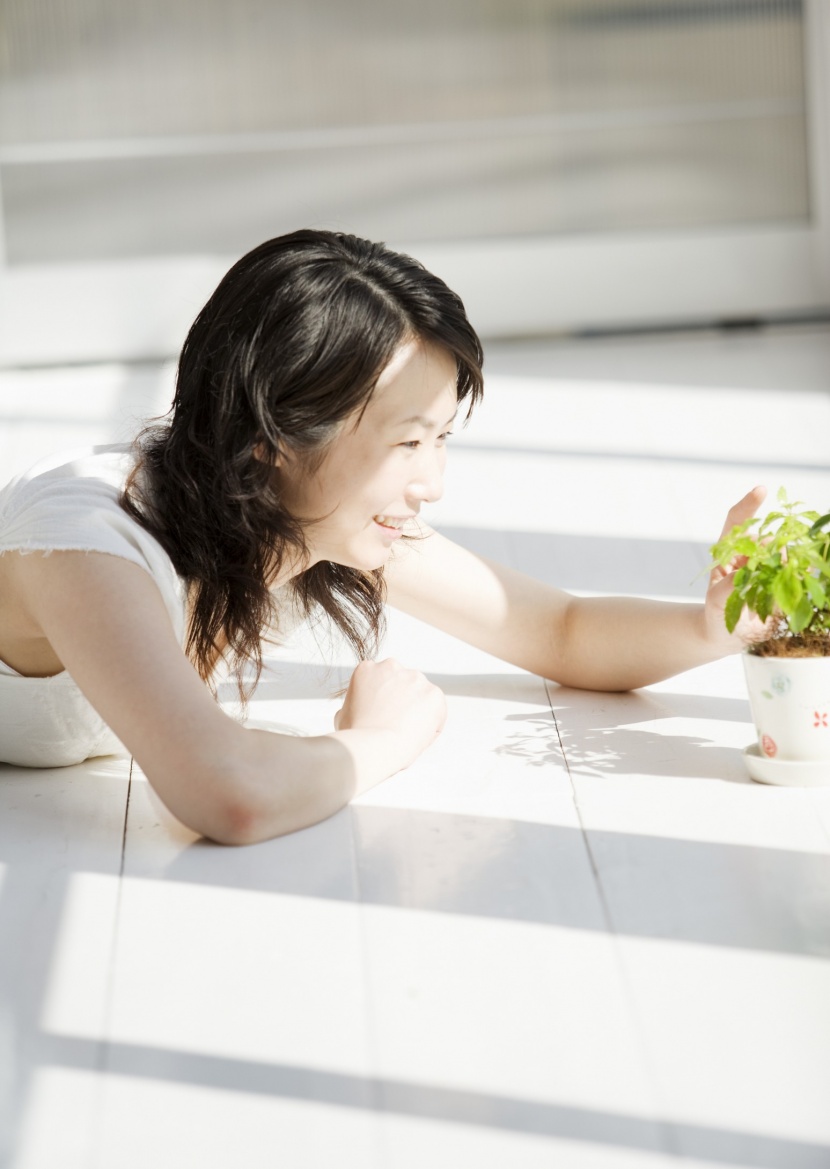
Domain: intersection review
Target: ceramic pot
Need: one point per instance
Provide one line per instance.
(790, 701)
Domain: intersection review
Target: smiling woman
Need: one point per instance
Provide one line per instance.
(314, 397)
(377, 475)
(279, 451)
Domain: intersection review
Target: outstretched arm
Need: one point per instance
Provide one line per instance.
(596, 643)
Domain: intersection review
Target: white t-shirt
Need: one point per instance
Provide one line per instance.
(60, 505)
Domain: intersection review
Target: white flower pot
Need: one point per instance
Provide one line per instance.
(790, 701)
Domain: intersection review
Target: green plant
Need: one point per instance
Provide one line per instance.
(784, 575)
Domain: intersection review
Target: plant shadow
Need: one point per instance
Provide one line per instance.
(591, 733)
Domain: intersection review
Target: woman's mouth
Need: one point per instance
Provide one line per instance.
(392, 525)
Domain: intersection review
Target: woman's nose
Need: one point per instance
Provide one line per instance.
(429, 485)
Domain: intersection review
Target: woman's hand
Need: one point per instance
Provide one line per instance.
(750, 627)
(387, 697)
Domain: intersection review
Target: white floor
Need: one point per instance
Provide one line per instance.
(573, 934)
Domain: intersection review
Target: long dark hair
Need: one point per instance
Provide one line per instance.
(289, 345)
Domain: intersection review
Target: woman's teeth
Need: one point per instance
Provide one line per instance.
(388, 521)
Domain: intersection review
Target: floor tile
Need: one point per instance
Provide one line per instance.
(574, 932)
(411, 1144)
(512, 1026)
(740, 1044)
(60, 844)
(150, 1120)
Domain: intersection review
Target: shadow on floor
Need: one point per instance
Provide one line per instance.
(432, 1102)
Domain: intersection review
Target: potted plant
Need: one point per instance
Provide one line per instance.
(783, 576)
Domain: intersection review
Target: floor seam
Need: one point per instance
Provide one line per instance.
(103, 1047)
(379, 1135)
(664, 1127)
(126, 820)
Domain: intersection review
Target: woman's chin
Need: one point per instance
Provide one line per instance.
(363, 562)
(378, 561)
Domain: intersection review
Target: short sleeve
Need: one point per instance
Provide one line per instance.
(75, 507)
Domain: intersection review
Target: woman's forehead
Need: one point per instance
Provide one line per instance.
(418, 374)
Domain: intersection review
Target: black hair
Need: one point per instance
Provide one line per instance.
(290, 344)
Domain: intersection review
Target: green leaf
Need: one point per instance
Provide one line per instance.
(787, 591)
(802, 616)
(785, 567)
(816, 590)
(732, 610)
(763, 606)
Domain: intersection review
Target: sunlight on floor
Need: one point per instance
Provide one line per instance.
(573, 933)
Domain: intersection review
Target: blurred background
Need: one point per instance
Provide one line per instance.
(631, 196)
(566, 164)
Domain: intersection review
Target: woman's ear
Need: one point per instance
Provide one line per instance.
(263, 455)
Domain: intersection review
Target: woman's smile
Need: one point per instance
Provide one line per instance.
(386, 521)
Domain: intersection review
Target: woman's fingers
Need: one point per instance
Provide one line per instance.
(721, 582)
(744, 509)
(390, 697)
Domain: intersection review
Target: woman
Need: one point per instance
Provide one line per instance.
(315, 394)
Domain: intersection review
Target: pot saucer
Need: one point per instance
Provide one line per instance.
(784, 771)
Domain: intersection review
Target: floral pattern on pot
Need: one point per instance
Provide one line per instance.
(790, 705)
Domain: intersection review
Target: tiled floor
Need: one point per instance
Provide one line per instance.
(573, 934)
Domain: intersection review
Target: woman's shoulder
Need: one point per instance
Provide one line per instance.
(64, 493)
(74, 472)
(72, 502)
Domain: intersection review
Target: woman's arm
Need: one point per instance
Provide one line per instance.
(598, 643)
(107, 623)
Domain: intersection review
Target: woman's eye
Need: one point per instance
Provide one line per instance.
(416, 442)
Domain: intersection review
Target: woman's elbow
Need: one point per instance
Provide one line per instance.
(237, 821)
(241, 819)
(219, 805)
(237, 801)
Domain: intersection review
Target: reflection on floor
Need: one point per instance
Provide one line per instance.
(574, 933)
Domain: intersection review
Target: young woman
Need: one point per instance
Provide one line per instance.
(315, 394)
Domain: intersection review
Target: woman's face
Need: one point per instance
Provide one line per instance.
(382, 466)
